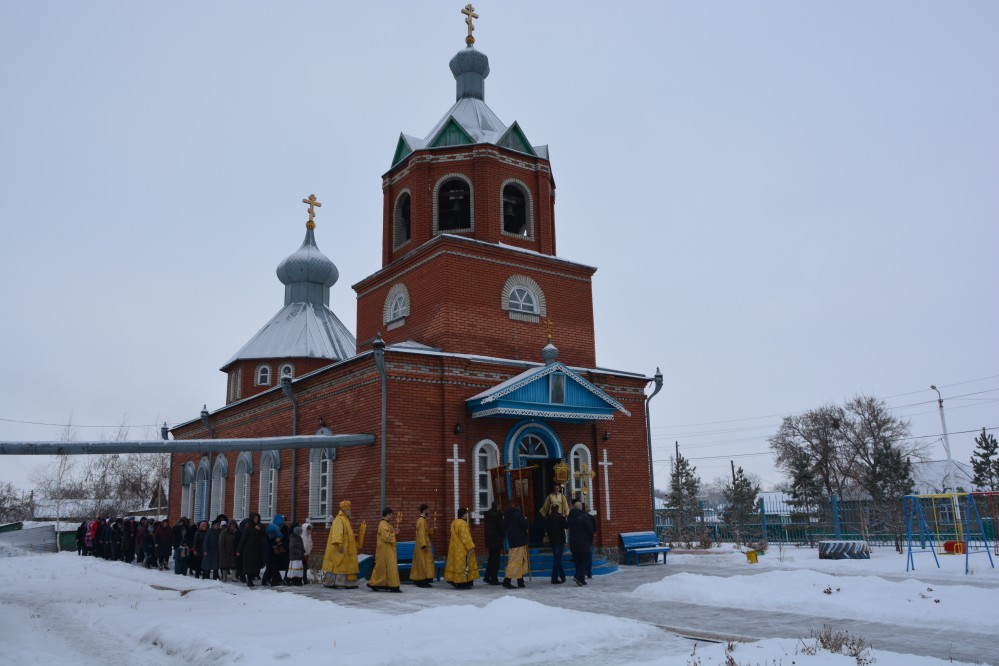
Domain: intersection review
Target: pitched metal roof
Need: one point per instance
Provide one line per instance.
(300, 330)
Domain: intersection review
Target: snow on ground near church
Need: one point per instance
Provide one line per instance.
(69, 609)
(857, 589)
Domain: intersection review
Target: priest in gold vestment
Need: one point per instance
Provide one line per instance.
(462, 567)
(423, 555)
(340, 561)
(385, 575)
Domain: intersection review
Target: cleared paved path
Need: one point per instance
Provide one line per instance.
(610, 595)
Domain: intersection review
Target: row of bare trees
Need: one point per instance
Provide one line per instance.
(857, 450)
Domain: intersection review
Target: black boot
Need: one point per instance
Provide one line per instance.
(507, 584)
(520, 582)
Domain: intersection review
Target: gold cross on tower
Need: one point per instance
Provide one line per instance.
(469, 12)
(313, 204)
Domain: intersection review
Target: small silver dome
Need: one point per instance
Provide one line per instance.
(308, 264)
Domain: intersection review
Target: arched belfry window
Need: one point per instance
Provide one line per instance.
(523, 299)
(515, 200)
(396, 306)
(453, 204)
(402, 219)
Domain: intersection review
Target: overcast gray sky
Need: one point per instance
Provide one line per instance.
(789, 203)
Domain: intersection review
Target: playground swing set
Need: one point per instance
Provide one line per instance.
(954, 534)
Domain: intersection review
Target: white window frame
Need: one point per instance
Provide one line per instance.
(258, 375)
(471, 203)
(488, 449)
(521, 282)
(269, 467)
(186, 485)
(397, 220)
(320, 479)
(528, 205)
(396, 307)
(289, 367)
(201, 496)
(578, 455)
(219, 475)
(241, 487)
(522, 300)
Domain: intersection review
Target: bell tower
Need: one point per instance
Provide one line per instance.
(468, 237)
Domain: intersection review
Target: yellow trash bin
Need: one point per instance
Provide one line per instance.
(751, 556)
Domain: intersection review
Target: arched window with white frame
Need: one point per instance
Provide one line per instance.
(485, 456)
(263, 375)
(579, 475)
(321, 481)
(220, 472)
(241, 487)
(201, 491)
(286, 370)
(186, 487)
(454, 204)
(396, 307)
(270, 463)
(523, 299)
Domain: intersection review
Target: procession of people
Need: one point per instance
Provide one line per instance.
(507, 529)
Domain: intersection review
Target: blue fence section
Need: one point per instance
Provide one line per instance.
(777, 520)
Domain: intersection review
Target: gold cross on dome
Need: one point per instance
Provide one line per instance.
(469, 12)
(313, 204)
(548, 323)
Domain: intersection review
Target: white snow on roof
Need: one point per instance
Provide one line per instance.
(300, 330)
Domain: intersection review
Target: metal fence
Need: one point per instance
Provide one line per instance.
(776, 521)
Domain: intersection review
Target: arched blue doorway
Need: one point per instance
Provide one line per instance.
(534, 445)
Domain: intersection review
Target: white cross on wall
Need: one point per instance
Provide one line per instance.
(455, 460)
(606, 464)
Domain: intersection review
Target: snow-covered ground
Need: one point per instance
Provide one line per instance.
(70, 609)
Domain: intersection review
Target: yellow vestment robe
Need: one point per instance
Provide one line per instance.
(462, 567)
(386, 571)
(341, 536)
(555, 499)
(516, 563)
(423, 554)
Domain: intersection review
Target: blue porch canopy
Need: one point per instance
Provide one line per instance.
(552, 392)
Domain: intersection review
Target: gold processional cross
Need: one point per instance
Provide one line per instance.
(313, 204)
(469, 12)
(585, 475)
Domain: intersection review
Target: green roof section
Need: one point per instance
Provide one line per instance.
(514, 139)
(452, 134)
(402, 150)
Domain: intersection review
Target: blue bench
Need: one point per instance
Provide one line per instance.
(404, 556)
(634, 544)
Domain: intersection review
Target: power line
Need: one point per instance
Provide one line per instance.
(77, 425)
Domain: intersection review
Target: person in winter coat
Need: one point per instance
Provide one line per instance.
(197, 548)
(140, 535)
(250, 548)
(306, 551)
(128, 540)
(210, 557)
(580, 540)
(276, 551)
(182, 534)
(296, 551)
(495, 533)
(89, 537)
(228, 540)
(80, 531)
(163, 539)
(517, 538)
(555, 526)
(148, 547)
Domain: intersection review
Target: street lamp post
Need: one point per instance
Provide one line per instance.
(949, 479)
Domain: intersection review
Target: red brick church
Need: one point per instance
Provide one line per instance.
(477, 336)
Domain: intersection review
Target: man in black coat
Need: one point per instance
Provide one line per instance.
(517, 557)
(494, 542)
(555, 526)
(580, 541)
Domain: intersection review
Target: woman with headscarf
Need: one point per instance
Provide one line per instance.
(228, 540)
(462, 567)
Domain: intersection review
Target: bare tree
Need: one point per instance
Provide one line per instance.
(815, 436)
(14, 506)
